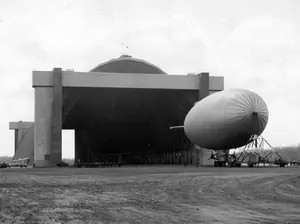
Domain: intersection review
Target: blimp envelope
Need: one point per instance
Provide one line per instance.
(226, 119)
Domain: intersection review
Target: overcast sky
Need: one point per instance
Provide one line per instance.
(253, 44)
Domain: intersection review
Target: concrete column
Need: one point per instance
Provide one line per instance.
(48, 122)
(42, 125)
(16, 139)
(203, 92)
(56, 119)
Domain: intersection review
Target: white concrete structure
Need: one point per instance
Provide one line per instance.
(48, 86)
(126, 80)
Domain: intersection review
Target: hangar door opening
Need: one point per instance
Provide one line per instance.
(125, 121)
(68, 146)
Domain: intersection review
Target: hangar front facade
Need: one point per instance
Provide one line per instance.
(120, 110)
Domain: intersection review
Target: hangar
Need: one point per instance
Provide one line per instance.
(120, 110)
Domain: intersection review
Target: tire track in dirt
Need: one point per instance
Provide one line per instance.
(235, 196)
(254, 198)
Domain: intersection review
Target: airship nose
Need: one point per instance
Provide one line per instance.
(254, 116)
(258, 116)
(255, 121)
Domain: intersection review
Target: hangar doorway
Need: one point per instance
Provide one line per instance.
(68, 144)
(134, 123)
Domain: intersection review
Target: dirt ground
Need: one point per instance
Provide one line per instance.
(150, 194)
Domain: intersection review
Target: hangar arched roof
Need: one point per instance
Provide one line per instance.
(127, 64)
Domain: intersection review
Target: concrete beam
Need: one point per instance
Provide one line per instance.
(125, 80)
(20, 125)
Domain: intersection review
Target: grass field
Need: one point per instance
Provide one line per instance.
(150, 194)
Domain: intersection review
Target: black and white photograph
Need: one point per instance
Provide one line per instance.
(140, 111)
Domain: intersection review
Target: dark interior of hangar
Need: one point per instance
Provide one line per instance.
(113, 120)
(129, 121)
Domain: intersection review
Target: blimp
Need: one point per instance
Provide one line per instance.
(226, 120)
